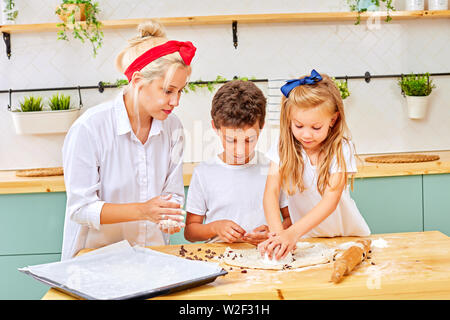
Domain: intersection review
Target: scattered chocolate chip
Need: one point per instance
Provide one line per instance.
(199, 249)
(369, 257)
(372, 263)
(244, 271)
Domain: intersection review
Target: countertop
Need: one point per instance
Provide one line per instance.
(10, 183)
(413, 265)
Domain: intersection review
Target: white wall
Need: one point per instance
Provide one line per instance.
(376, 111)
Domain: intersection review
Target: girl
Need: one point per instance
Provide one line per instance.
(123, 159)
(311, 165)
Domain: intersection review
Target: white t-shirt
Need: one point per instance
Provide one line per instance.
(346, 220)
(105, 162)
(220, 191)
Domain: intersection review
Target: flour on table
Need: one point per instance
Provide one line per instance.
(379, 243)
(305, 254)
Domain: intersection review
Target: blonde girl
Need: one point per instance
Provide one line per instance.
(311, 164)
(123, 158)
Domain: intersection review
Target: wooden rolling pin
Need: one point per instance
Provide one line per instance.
(350, 259)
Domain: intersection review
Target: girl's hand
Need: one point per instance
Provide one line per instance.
(227, 230)
(258, 235)
(278, 245)
(160, 208)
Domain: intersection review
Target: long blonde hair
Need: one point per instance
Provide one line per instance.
(322, 94)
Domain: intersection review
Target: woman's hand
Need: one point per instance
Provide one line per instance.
(258, 235)
(278, 245)
(160, 208)
(227, 230)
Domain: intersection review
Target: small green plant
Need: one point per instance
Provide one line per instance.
(89, 30)
(10, 11)
(192, 86)
(361, 6)
(30, 104)
(416, 85)
(59, 102)
(119, 83)
(343, 88)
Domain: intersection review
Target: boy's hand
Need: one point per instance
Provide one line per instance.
(258, 235)
(227, 230)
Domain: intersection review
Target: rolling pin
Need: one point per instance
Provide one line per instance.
(350, 259)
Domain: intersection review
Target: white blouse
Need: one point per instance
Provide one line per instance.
(346, 220)
(105, 162)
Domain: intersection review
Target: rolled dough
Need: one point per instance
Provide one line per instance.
(305, 254)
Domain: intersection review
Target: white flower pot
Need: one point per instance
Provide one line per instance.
(417, 106)
(44, 122)
(437, 4)
(412, 5)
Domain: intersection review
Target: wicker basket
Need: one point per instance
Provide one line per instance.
(402, 158)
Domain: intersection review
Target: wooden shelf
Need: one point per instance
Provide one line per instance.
(243, 18)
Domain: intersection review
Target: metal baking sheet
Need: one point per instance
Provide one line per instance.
(120, 271)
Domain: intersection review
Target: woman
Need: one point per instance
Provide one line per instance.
(123, 159)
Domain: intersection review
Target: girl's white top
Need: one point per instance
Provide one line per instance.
(105, 162)
(346, 220)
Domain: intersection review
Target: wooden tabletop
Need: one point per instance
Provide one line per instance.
(414, 265)
(10, 183)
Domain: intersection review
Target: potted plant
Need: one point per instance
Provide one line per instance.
(343, 88)
(9, 11)
(416, 89)
(34, 118)
(370, 5)
(80, 16)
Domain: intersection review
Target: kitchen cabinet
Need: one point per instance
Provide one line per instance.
(436, 204)
(15, 285)
(31, 231)
(390, 204)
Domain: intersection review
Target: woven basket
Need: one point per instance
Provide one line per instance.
(402, 158)
(41, 172)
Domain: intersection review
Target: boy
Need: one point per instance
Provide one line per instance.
(225, 197)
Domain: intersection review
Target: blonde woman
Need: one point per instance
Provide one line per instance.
(311, 164)
(123, 159)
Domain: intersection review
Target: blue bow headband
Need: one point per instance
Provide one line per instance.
(291, 84)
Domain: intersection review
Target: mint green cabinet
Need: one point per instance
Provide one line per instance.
(32, 223)
(31, 231)
(15, 285)
(436, 204)
(390, 204)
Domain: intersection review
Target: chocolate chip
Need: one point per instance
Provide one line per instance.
(244, 271)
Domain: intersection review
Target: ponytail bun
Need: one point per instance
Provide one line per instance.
(151, 28)
(150, 34)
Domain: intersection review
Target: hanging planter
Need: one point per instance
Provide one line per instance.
(9, 12)
(31, 118)
(81, 18)
(417, 90)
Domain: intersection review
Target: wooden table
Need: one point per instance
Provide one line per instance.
(414, 265)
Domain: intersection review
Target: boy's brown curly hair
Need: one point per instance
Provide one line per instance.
(238, 104)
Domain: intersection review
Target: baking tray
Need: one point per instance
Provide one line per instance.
(119, 271)
(141, 295)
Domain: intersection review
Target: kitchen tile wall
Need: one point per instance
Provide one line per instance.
(376, 112)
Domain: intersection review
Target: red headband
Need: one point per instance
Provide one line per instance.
(186, 49)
